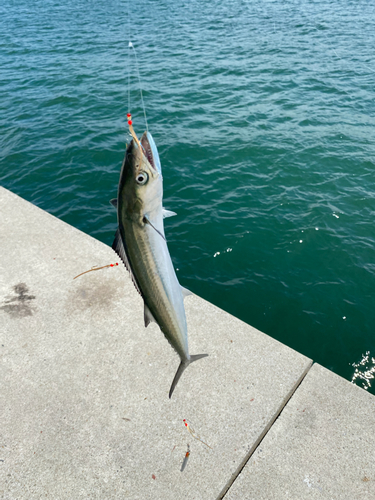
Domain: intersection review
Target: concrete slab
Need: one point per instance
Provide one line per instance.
(322, 446)
(84, 386)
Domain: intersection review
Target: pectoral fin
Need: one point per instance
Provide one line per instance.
(168, 213)
(113, 202)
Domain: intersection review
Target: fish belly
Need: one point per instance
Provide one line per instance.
(153, 269)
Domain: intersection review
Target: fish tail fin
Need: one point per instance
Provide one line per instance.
(183, 365)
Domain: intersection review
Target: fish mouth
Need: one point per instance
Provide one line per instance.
(150, 151)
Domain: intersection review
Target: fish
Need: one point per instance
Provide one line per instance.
(141, 244)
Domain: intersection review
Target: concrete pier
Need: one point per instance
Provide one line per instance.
(84, 408)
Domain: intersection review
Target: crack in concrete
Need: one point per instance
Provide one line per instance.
(226, 488)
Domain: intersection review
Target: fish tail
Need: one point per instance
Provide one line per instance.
(183, 365)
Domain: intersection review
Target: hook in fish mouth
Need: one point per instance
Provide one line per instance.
(147, 146)
(150, 151)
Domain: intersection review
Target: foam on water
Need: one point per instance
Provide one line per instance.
(364, 371)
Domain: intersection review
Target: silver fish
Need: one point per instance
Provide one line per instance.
(140, 242)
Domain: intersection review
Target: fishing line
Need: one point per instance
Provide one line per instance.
(129, 78)
(131, 46)
(139, 81)
(128, 30)
(146, 221)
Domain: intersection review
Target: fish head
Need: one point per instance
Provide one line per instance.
(141, 182)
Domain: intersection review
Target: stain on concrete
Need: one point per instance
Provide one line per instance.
(93, 295)
(18, 304)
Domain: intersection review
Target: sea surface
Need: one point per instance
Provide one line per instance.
(264, 116)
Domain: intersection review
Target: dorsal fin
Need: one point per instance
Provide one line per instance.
(119, 248)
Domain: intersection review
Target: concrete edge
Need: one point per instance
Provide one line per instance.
(45, 212)
(226, 488)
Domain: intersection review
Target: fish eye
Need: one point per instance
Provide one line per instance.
(142, 178)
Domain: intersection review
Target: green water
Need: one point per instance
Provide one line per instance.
(263, 113)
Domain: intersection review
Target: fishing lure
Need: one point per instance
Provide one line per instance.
(95, 269)
(194, 434)
(187, 455)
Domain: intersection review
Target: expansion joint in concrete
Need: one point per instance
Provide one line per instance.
(234, 476)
